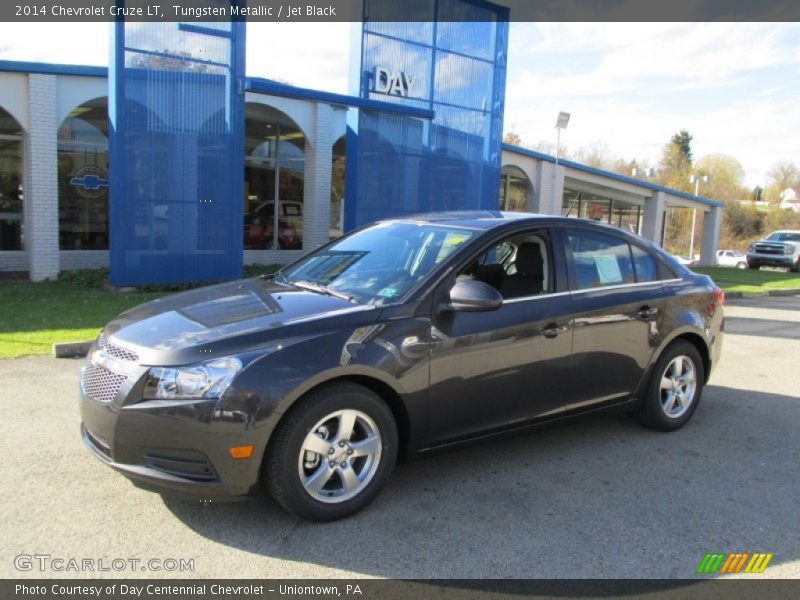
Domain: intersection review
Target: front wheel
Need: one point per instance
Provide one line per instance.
(674, 389)
(741, 265)
(331, 453)
(754, 267)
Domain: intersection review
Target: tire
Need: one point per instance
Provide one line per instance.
(662, 408)
(347, 471)
(754, 267)
(741, 265)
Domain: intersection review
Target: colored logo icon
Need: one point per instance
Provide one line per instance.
(735, 562)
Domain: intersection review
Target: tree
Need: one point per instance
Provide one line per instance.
(513, 138)
(675, 166)
(683, 140)
(785, 174)
(726, 176)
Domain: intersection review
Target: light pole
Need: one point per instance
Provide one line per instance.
(561, 123)
(695, 179)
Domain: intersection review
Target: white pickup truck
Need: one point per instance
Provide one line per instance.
(778, 249)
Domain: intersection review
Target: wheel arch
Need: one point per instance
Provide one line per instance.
(698, 342)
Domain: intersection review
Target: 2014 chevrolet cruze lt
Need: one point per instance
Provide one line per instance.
(401, 338)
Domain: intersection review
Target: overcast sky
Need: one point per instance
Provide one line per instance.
(629, 87)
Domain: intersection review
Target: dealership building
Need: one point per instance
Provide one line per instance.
(300, 183)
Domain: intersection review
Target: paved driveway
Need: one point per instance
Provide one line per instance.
(601, 498)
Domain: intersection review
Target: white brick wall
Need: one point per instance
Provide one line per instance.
(41, 178)
(317, 178)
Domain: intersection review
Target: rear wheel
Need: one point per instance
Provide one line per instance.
(674, 389)
(741, 265)
(331, 453)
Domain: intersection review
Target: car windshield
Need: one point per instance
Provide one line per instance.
(784, 236)
(377, 265)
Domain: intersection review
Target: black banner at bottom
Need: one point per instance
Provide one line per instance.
(391, 589)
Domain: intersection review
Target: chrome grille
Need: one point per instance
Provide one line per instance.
(101, 384)
(115, 351)
(769, 249)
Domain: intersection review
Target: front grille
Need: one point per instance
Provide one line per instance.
(195, 466)
(101, 384)
(764, 249)
(98, 443)
(115, 351)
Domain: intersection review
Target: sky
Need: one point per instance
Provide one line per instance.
(628, 86)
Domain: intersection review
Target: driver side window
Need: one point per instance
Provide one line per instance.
(518, 267)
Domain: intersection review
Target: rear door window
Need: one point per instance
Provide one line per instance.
(599, 259)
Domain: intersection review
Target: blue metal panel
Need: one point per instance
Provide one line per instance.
(454, 65)
(176, 152)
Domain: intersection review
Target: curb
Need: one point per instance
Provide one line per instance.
(72, 349)
(773, 293)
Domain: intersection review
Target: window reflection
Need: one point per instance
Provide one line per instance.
(11, 224)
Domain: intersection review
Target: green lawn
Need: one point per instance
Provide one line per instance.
(750, 282)
(34, 316)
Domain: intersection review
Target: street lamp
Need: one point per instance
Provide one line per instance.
(695, 179)
(561, 123)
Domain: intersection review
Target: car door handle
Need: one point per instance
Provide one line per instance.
(553, 329)
(647, 312)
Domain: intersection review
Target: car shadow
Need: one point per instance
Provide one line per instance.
(787, 330)
(602, 497)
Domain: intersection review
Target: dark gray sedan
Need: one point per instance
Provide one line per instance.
(402, 338)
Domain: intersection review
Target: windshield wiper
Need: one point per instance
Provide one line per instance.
(318, 287)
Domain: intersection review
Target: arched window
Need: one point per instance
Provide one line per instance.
(273, 180)
(11, 224)
(83, 177)
(514, 186)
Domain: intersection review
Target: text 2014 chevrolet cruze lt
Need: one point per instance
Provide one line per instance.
(401, 338)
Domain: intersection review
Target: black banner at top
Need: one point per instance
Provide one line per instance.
(395, 10)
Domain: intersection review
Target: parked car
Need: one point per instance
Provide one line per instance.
(778, 249)
(686, 261)
(259, 226)
(400, 339)
(731, 258)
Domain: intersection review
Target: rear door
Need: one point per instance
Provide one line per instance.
(617, 301)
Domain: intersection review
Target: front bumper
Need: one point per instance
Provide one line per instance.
(173, 447)
(771, 260)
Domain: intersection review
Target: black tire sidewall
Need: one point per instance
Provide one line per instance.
(652, 414)
(280, 464)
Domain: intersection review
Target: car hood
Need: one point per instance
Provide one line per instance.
(226, 319)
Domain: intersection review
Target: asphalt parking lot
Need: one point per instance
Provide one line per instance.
(600, 498)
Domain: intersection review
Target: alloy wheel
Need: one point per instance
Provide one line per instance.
(339, 456)
(678, 386)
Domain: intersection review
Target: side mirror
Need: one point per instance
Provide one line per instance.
(471, 295)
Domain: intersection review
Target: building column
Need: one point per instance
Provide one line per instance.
(317, 179)
(712, 222)
(548, 189)
(653, 218)
(41, 178)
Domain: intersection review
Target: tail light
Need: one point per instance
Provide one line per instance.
(719, 296)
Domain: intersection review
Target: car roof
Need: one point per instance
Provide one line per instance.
(479, 219)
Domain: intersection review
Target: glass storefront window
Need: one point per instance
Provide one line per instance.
(83, 178)
(273, 184)
(625, 215)
(513, 189)
(11, 224)
(337, 190)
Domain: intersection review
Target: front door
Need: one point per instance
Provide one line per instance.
(497, 369)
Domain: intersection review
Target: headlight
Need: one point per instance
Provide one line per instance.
(751, 248)
(204, 380)
(788, 250)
